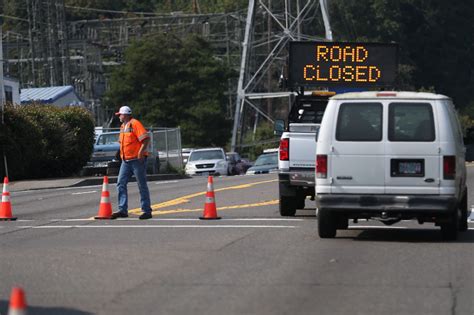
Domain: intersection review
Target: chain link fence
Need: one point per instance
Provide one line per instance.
(164, 148)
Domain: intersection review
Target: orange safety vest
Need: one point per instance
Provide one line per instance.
(131, 136)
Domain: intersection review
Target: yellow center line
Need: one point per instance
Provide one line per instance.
(185, 199)
(249, 205)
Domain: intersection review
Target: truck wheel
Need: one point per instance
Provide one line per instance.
(327, 223)
(287, 206)
(300, 200)
(463, 226)
(449, 230)
(113, 168)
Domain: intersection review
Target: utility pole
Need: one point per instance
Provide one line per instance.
(2, 96)
(267, 50)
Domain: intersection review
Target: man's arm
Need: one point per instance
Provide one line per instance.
(143, 147)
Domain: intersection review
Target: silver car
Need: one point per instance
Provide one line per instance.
(211, 161)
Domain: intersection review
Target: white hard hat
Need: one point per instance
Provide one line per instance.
(124, 110)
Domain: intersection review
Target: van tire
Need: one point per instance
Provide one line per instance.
(287, 206)
(463, 226)
(342, 222)
(449, 230)
(327, 224)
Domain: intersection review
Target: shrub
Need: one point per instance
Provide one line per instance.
(43, 141)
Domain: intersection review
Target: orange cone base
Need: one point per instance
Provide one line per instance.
(8, 219)
(211, 218)
(104, 218)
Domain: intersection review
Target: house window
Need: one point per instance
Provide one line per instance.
(8, 94)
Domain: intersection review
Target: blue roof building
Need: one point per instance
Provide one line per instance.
(55, 95)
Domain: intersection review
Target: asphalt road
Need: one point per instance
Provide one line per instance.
(251, 261)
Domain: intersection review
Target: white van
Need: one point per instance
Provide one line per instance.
(391, 156)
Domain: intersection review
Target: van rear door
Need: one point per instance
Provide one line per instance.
(412, 164)
(356, 160)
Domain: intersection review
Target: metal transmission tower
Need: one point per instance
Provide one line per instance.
(263, 53)
(48, 43)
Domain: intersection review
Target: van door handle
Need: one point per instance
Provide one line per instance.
(429, 180)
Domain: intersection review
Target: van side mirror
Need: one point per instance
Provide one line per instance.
(279, 127)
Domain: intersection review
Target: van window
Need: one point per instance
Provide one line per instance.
(359, 122)
(411, 122)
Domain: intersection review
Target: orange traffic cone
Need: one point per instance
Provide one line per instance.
(210, 211)
(17, 302)
(105, 207)
(6, 207)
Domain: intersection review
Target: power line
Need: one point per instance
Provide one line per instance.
(13, 18)
(108, 11)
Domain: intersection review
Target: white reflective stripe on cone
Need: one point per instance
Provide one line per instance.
(209, 199)
(5, 198)
(104, 199)
(105, 187)
(16, 312)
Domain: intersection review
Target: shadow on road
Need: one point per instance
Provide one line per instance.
(406, 235)
(44, 310)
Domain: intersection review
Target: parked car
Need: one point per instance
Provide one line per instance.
(208, 161)
(104, 161)
(391, 156)
(237, 165)
(105, 147)
(265, 163)
(185, 152)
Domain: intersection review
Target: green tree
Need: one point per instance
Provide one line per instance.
(264, 138)
(435, 39)
(170, 81)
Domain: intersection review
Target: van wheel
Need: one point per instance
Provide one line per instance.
(449, 230)
(342, 222)
(287, 206)
(463, 226)
(327, 224)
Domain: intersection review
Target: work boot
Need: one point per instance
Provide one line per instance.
(145, 216)
(119, 214)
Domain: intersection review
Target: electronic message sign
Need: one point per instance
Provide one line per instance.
(342, 64)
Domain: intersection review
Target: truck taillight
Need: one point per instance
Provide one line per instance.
(449, 167)
(321, 166)
(284, 149)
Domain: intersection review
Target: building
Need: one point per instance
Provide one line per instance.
(12, 90)
(60, 96)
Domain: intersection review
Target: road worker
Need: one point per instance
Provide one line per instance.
(134, 141)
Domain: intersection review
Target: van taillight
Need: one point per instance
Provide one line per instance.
(449, 167)
(284, 149)
(321, 166)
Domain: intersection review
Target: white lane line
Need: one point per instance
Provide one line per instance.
(85, 192)
(182, 219)
(354, 227)
(166, 182)
(154, 226)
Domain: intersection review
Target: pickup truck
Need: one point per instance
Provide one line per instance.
(297, 150)
(104, 161)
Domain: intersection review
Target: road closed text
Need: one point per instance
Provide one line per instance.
(336, 72)
(342, 63)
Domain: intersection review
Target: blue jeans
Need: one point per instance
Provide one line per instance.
(138, 168)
